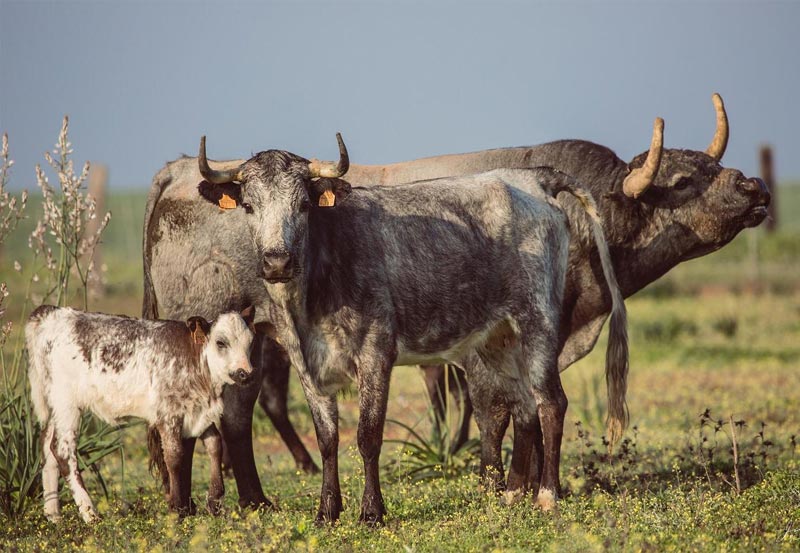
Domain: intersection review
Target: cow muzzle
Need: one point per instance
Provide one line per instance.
(277, 267)
(759, 198)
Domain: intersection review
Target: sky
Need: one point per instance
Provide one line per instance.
(142, 80)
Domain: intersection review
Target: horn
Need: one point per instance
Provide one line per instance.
(639, 179)
(717, 147)
(330, 169)
(211, 175)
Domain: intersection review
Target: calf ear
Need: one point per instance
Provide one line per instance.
(328, 192)
(199, 328)
(249, 315)
(226, 196)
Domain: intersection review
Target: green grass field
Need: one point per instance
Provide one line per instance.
(718, 334)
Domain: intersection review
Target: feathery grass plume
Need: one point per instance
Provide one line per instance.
(60, 249)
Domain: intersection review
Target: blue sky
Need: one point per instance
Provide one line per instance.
(143, 80)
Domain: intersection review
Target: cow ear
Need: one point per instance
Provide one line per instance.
(327, 192)
(199, 328)
(226, 196)
(249, 315)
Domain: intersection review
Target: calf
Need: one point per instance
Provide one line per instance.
(169, 373)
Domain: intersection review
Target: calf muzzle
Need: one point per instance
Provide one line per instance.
(242, 376)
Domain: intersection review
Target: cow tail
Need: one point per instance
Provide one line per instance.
(617, 354)
(149, 302)
(36, 375)
(157, 462)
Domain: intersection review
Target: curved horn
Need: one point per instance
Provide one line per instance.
(211, 175)
(330, 169)
(717, 147)
(639, 179)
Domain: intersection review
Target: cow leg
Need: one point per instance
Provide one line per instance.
(552, 407)
(492, 415)
(434, 383)
(185, 474)
(64, 446)
(373, 385)
(458, 382)
(216, 486)
(273, 399)
(52, 509)
(325, 413)
(237, 430)
(537, 457)
(521, 456)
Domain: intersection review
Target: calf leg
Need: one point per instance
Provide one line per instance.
(237, 430)
(216, 486)
(50, 476)
(172, 447)
(521, 456)
(64, 447)
(373, 384)
(537, 457)
(459, 384)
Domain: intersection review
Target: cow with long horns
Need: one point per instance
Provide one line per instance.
(664, 207)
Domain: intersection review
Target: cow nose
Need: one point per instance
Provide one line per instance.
(277, 265)
(755, 187)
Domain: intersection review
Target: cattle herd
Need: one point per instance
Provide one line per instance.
(504, 263)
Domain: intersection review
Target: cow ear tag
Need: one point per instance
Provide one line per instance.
(327, 199)
(226, 202)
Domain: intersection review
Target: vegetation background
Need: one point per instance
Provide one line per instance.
(711, 460)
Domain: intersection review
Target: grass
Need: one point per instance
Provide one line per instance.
(710, 336)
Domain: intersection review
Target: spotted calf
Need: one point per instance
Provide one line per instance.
(169, 373)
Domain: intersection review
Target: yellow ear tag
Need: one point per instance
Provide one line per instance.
(226, 202)
(327, 199)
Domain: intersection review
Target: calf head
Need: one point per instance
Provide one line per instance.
(278, 190)
(226, 345)
(691, 191)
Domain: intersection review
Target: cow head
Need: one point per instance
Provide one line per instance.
(277, 190)
(692, 190)
(226, 345)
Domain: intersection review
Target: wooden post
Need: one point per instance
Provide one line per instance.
(98, 181)
(768, 176)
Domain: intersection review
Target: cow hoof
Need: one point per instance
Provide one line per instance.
(546, 500)
(511, 497)
(55, 518)
(255, 504)
(323, 519)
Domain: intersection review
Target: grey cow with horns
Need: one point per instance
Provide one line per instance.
(468, 270)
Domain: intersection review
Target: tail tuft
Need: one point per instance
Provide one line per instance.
(157, 456)
(617, 354)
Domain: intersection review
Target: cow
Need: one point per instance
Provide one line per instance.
(447, 269)
(684, 205)
(169, 373)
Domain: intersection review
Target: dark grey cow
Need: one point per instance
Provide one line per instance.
(692, 206)
(467, 269)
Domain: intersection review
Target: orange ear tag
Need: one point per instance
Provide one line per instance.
(226, 202)
(327, 199)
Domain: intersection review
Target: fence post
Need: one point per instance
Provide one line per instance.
(768, 176)
(98, 181)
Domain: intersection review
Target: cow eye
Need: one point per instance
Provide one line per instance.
(247, 208)
(221, 344)
(304, 206)
(683, 183)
